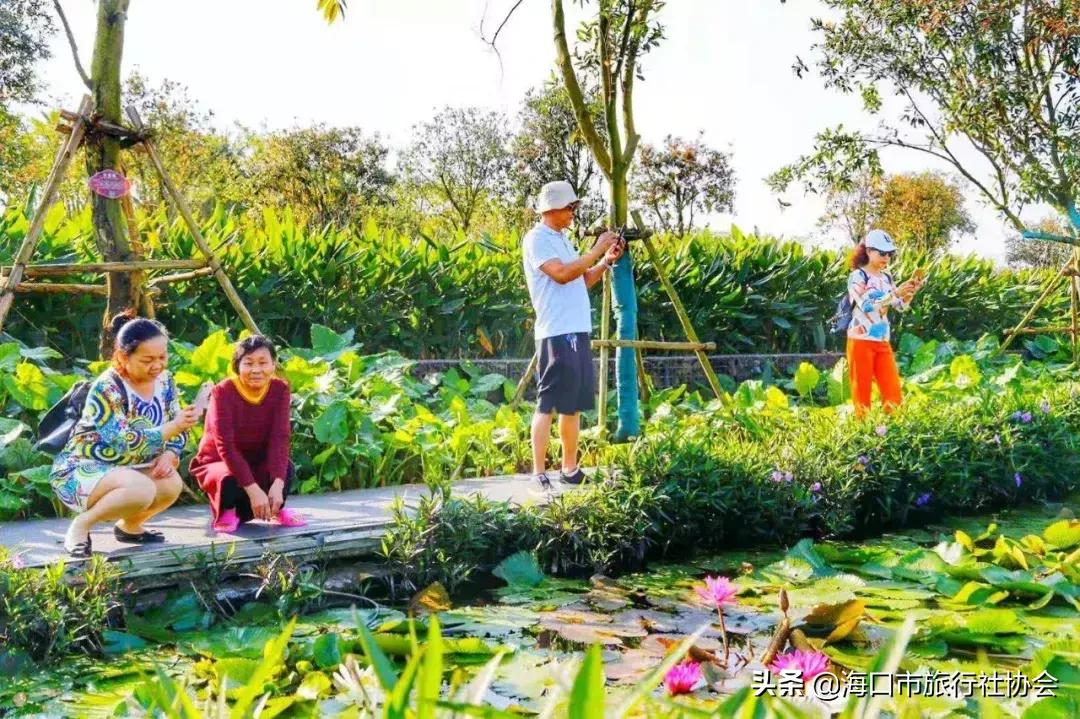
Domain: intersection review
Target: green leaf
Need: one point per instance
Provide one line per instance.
(964, 372)
(329, 344)
(314, 686)
(327, 651)
(807, 378)
(429, 681)
(332, 426)
(1064, 534)
(805, 551)
(384, 668)
(587, 694)
(115, 642)
(519, 570)
(272, 661)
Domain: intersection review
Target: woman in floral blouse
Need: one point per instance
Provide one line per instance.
(873, 293)
(120, 463)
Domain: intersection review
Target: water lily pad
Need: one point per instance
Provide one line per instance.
(519, 570)
(314, 686)
(590, 627)
(1064, 534)
(433, 598)
(834, 621)
(244, 642)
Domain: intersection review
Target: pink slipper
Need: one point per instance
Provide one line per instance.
(289, 518)
(227, 521)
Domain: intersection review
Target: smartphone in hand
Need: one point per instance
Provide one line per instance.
(202, 400)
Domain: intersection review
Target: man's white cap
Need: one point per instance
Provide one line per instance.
(556, 196)
(880, 241)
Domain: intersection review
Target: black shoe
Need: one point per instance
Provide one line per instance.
(576, 477)
(542, 478)
(147, 536)
(81, 550)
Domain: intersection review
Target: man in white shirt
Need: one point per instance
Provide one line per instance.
(558, 280)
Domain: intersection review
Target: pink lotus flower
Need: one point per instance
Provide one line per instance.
(808, 664)
(717, 591)
(681, 678)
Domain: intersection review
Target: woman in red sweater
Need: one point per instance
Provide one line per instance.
(243, 459)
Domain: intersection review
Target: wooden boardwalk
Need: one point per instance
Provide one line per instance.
(340, 524)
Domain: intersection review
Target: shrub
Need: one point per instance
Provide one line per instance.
(454, 297)
(45, 614)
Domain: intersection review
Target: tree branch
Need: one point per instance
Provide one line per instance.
(573, 88)
(608, 88)
(627, 79)
(74, 47)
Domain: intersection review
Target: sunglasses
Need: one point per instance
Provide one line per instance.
(883, 253)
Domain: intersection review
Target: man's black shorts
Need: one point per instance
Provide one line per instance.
(565, 378)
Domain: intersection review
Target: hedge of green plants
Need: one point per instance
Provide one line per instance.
(976, 433)
(362, 421)
(465, 297)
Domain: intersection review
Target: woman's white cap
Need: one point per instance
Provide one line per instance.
(556, 196)
(880, 241)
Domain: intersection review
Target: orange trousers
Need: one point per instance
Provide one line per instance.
(872, 361)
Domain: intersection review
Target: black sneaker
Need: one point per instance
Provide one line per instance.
(575, 477)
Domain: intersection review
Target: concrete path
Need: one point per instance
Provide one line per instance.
(332, 519)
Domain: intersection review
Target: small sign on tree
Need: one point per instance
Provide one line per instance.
(110, 184)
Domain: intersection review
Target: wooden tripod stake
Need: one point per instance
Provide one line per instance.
(605, 344)
(83, 124)
(1070, 270)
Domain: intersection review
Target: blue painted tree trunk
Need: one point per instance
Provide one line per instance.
(624, 303)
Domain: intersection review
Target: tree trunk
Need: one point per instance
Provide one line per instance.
(103, 153)
(624, 304)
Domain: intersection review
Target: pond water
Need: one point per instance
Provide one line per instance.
(992, 592)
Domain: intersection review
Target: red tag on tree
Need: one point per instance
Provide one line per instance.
(110, 184)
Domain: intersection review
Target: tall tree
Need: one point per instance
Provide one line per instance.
(682, 178)
(327, 175)
(208, 164)
(924, 211)
(25, 26)
(461, 158)
(611, 44)
(1039, 254)
(549, 146)
(991, 89)
(102, 152)
(853, 207)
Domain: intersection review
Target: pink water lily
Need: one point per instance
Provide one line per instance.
(681, 678)
(717, 591)
(808, 664)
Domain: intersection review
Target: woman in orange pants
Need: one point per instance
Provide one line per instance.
(873, 293)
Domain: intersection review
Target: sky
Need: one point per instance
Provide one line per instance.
(724, 69)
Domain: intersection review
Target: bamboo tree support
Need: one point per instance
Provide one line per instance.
(193, 228)
(680, 311)
(83, 125)
(138, 277)
(644, 381)
(605, 337)
(48, 197)
(1074, 300)
(519, 393)
(1022, 326)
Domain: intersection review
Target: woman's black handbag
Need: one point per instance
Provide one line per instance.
(58, 424)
